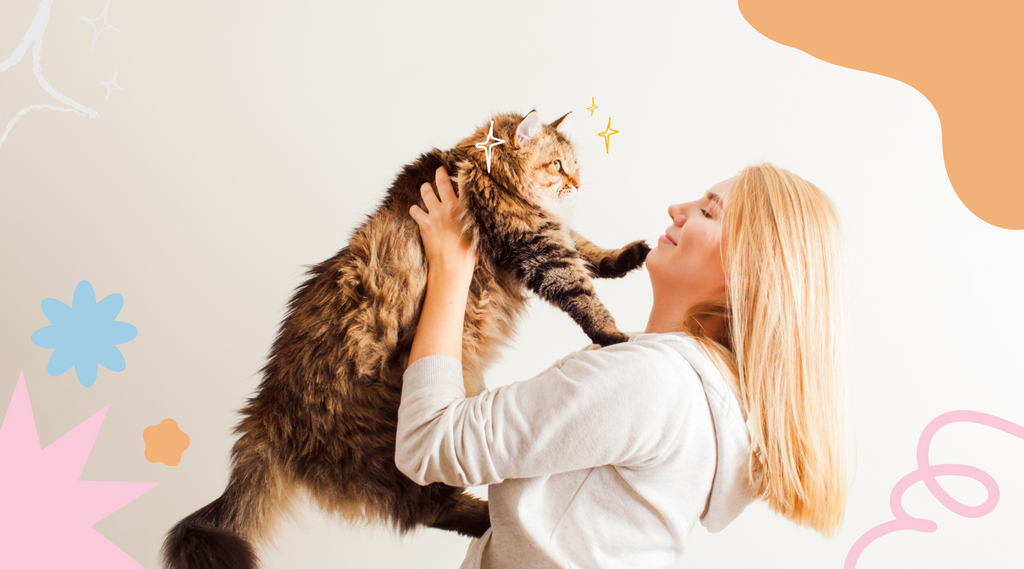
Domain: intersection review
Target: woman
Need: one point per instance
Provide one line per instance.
(734, 391)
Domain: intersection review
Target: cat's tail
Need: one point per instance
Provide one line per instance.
(221, 534)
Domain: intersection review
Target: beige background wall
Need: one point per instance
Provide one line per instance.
(251, 137)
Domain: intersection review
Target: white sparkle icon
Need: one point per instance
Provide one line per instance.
(111, 85)
(97, 30)
(487, 148)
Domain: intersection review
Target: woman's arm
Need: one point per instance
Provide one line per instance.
(451, 258)
(622, 405)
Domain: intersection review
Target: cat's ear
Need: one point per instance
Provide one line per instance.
(527, 130)
(558, 123)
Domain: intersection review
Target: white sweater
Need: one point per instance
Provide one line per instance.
(604, 460)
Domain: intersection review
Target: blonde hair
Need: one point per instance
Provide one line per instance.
(781, 340)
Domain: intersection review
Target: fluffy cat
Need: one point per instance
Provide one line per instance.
(324, 416)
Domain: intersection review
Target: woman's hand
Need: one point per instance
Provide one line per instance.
(451, 258)
(448, 250)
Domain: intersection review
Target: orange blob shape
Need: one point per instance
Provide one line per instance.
(165, 442)
(965, 57)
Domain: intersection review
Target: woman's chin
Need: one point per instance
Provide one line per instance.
(651, 262)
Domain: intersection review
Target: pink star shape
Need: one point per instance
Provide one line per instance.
(47, 514)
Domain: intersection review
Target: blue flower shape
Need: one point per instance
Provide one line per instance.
(84, 334)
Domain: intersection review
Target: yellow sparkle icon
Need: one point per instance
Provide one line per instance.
(592, 106)
(607, 132)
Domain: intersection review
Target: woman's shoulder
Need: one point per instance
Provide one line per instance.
(652, 351)
(657, 347)
(648, 362)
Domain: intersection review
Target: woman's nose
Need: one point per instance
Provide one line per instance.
(675, 211)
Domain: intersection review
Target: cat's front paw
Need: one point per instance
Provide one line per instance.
(609, 337)
(635, 254)
(625, 260)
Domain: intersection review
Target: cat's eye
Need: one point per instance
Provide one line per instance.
(558, 165)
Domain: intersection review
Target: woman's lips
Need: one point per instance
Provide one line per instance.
(664, 238)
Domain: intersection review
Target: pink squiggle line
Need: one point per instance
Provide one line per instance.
(927, 473)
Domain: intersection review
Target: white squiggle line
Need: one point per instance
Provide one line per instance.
(34, 37)
(27, 109)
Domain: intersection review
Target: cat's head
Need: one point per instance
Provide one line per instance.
(536, 159)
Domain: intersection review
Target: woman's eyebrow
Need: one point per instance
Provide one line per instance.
(715, 198)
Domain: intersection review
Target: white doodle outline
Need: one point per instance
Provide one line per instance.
(34, 37)
(107, 84)
(92, 22)
(487, 149)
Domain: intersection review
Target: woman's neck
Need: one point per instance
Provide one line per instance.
(672, 319)
(665, 319)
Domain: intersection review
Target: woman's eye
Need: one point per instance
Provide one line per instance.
(558, 165)
(705, 212)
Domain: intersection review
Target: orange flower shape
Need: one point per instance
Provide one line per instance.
(165, 442)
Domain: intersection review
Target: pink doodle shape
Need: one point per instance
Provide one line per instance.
(47, 514)
(927, 473)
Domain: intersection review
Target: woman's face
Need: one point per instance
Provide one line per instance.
(687, 260)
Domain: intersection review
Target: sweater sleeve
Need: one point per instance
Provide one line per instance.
(620, 405)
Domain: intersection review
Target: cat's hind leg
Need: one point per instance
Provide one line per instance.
(464, 514)
(390, 497)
